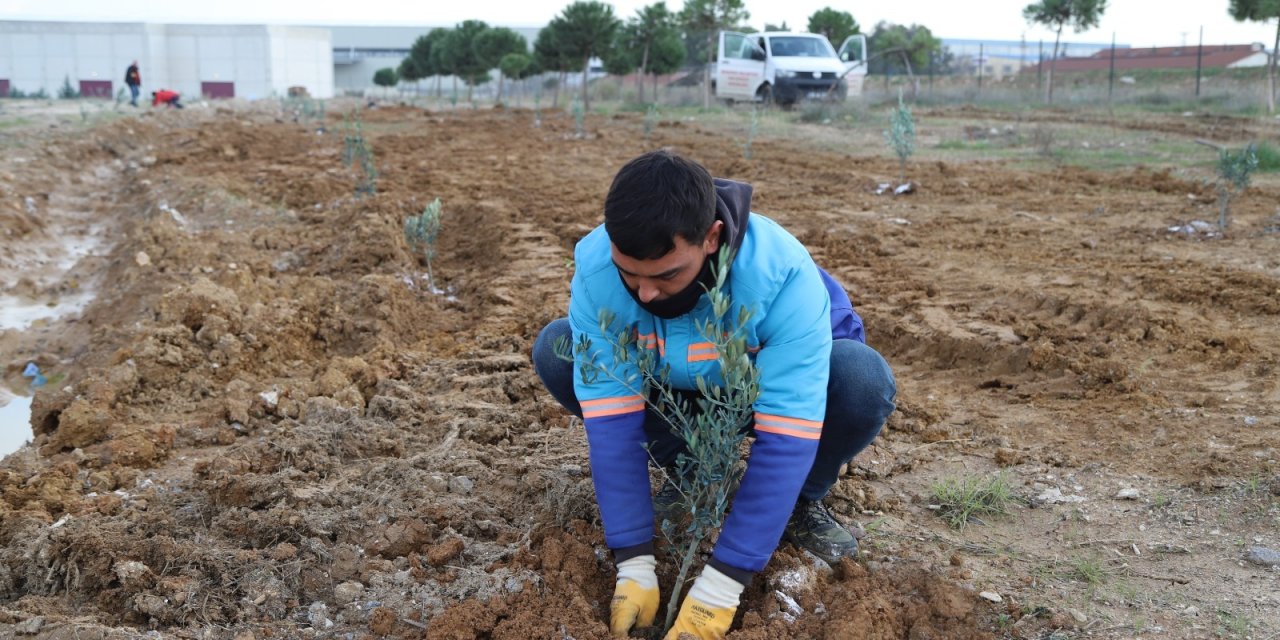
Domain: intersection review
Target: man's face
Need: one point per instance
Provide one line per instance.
(661, 278)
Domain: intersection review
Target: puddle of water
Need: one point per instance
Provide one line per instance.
(16, 314)
(15, 422)
(46, 264)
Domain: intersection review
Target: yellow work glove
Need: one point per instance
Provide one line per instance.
(635, 596)
(708, 610)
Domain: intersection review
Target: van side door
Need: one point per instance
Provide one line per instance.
(853, 53)
(741, 69)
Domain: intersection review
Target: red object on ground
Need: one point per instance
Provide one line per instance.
(164, 96)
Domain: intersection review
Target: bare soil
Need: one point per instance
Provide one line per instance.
(268, 426)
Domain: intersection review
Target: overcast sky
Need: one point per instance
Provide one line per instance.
(1135, 22)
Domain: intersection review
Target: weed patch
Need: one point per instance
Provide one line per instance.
(962, 500)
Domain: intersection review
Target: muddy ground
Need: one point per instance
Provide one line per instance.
(268, 425)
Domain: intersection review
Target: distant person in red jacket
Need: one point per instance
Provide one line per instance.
(165, 96)
(134, 80)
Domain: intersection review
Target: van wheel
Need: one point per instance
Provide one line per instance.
(765, 95)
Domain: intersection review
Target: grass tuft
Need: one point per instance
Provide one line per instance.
(963, 499)
(1268, 157)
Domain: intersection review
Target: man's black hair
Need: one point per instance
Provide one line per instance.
(653, 199)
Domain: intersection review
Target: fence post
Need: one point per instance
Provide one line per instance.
(1111, 78)
(1199, 59)
(982, 62)
(932, 59)
(1040, 70)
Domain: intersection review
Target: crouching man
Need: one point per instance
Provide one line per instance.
(824, 394)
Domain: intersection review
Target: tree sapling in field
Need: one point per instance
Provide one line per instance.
(420, 232)
(578, 118)
(902, 135)
(355, 151)
(650, 120)
(712, 431)
(1235, 169)
(752, 130)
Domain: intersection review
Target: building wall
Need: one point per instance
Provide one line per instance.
(357, 77)
(1259, 59)
(45, 55)
(260, 61)
(303, 57)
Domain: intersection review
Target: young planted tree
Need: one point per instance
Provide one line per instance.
(902, 136)
(492, 45)
(752, 130)
(1235, 170)
(1262, 11)
(356, 151)
(1082, 15)
(420, 232)
(835, 25)
(587, 30)
(650, 120)
(705, 19)
(712, 431)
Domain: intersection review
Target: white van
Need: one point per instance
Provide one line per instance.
(785, 67)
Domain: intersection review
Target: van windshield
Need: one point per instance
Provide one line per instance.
(801, 47)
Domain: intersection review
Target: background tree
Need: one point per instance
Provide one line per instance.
(835, 25)
(1262, 11)
(408, 71)
(493, 44)
(642, 34)
(777, 27)
(459, 54)
(424, 55)
(893, 48)
(666, 56)
(385, 77)
(1082, 15)
(549, 54)
(513, 65)
(588, 31)
(703, 20)
(624, 55)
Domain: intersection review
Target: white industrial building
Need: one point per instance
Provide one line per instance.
(249, 61)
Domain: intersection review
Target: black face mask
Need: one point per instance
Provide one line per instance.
(682, 302)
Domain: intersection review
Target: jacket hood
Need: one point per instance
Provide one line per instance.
(733, 207)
